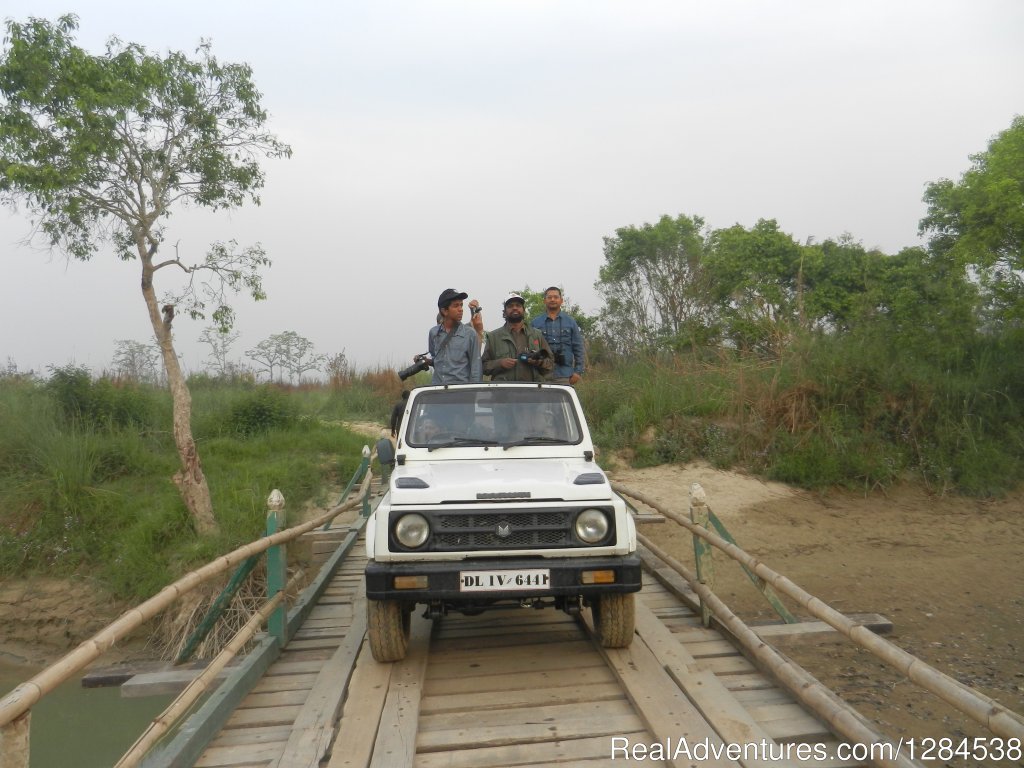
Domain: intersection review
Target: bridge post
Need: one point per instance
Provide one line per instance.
(14, 742)
(702, 551)
(277, 567)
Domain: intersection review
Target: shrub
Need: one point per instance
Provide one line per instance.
(260, 411)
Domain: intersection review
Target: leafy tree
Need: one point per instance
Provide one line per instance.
(838, 278)
(925, 306)
(102, 148)
(754, 277)
(654, 285)
(979, 220)
(136, 361)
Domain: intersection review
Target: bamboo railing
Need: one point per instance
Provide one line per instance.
(16, 706)
(1000, 720)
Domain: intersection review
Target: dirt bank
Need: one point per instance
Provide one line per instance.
(944, 570)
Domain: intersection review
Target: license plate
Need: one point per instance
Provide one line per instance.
(494, 581)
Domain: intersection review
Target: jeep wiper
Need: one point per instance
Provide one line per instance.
(460, 441)
(535, 440)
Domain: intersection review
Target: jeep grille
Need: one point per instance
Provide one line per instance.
(473, 530)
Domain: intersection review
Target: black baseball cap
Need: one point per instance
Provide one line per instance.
(448, 295)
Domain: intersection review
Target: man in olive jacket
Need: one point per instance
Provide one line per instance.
(516, 351)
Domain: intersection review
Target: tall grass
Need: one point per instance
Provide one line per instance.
(847, 411)
(86, 467)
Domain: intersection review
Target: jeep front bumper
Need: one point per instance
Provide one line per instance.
(494, 578)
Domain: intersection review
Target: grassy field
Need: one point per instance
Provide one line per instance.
(86, 464)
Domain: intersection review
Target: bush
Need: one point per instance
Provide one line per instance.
(260, 411)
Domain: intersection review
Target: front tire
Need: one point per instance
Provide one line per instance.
(387, 626)
(615, 619)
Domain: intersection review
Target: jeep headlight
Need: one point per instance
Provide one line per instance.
(591, 526)
(412, 530)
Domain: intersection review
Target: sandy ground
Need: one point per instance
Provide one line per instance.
(943, 569)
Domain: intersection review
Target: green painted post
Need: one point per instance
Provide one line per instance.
(702, 551)
(218, 607)
(277, 567)
(761, 584)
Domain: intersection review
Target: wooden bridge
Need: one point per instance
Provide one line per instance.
(518, 687)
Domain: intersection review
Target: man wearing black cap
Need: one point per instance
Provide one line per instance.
(453, 347)
(517, 351)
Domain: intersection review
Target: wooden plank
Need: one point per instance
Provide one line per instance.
(558, 752)
(531, 697)
(396, 736)
(441, 685)
(787, 721)
(507, 640)
(554, 658)
(731, 721)
(360, 718)
(286, 666)
(728, 665)
(269, 683)
(242, 754)
(167, 682)
(103, 677)
(783, 635)
(314, 725)
(235, 736)
(668, 713)
(274, 699)
(199, 730)
(517, 726)
(512, 733)
(711, 648)
(263, 716)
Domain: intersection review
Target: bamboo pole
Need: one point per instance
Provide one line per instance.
(703, 553)
(987, 711)
(24, 696)
(811, 692)
(166, 719)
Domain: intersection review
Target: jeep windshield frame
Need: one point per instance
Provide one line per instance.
(473, 416)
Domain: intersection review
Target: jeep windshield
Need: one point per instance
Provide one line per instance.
(466, 416)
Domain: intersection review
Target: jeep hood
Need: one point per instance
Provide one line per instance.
(497, 481)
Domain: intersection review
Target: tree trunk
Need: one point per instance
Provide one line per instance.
(190, 479)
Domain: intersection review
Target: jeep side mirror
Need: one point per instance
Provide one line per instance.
(385, 452)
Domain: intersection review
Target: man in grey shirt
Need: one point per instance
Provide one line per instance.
(453, 347)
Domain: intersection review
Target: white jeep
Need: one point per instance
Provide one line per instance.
(495, 501)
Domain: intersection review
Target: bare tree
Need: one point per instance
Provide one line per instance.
(287, 351)
(220, 342)
(136, 361)
(337, 368)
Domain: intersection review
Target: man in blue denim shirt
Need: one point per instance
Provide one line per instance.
(563, 336)
(453, 347)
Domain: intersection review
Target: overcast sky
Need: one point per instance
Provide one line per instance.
(486, 145)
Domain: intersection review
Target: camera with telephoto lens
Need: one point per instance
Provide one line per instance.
(420, 364)
(540, 354)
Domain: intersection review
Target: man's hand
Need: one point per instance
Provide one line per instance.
(508, 362)
(476, 321)
(574, 378)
